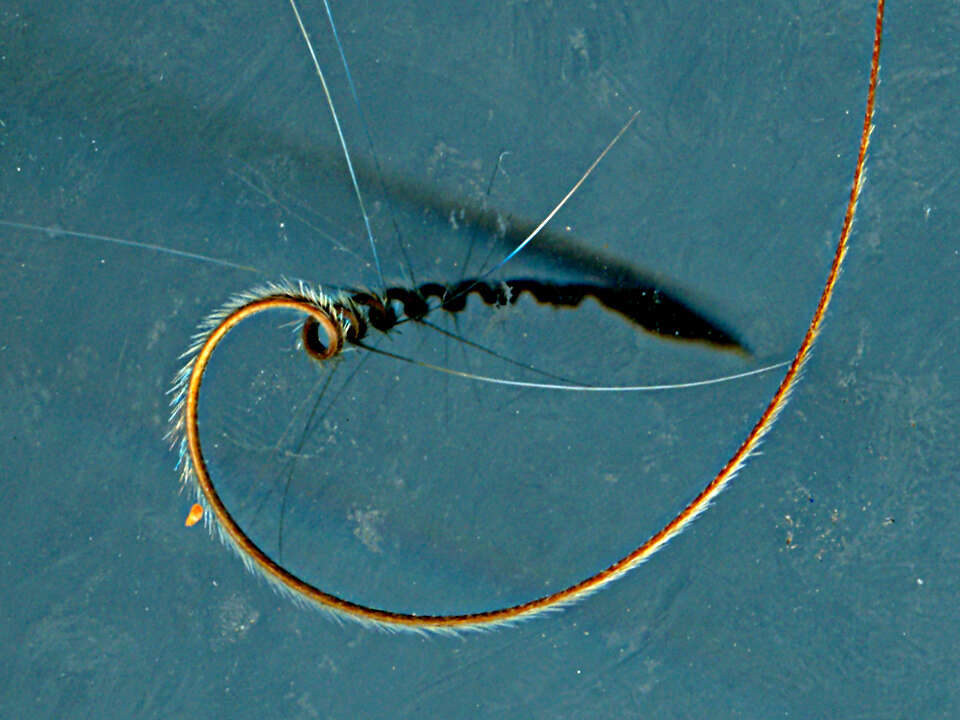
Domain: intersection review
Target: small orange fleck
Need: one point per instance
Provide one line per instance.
(193, 517)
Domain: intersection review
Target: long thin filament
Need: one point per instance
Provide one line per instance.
(324, 311)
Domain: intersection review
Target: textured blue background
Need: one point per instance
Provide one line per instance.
(822, 584)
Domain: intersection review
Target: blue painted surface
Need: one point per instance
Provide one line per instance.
(823, 584)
